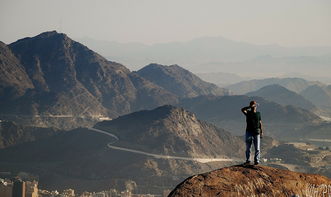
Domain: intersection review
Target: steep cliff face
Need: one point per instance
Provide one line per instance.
(253, 181)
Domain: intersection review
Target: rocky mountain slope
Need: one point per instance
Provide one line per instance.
(14, 81)
(283, 96)
(179, 81)
(80, 158)
(65, 78)
(252, 181)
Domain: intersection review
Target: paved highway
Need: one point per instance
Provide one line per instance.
(159, 156)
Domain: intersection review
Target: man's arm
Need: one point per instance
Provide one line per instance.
(261, 128)
(244, 110)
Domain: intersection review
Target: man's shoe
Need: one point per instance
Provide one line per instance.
(247, 163)
(256, 163)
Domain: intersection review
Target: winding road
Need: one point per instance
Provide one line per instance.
(158, 156)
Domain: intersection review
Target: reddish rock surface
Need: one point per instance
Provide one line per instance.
(253, 181)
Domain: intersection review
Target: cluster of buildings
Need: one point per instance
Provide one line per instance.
(18, 188)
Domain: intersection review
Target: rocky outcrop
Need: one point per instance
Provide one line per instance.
(253, 181)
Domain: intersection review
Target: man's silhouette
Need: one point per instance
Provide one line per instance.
(253, 131)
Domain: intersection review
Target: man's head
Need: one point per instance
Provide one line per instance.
(253, 104)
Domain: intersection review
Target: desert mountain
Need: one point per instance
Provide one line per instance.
(252, 181)
(179, 81)
(279, 121)
(171, 130)
(68, 79)
(293, 84)
(81, 154)
(283, 96)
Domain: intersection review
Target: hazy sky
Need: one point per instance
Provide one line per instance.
(283, 22)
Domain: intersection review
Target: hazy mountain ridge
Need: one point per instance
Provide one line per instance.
(283, 96)
(319, 95)
(279, 121)
(179, 81)
(220, 78)
(294, 84)
(198, 51)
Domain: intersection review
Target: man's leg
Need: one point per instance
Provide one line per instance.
(257, 149)
(248, 140)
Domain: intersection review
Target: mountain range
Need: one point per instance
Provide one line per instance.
(218, 54)
(294, 84)
(52, 79)
(54, 82)
(312, 95)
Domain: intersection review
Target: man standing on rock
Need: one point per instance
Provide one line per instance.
(253, 131)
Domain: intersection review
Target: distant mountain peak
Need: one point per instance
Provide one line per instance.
(49, 34)
(44, 35)
(179, 81)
